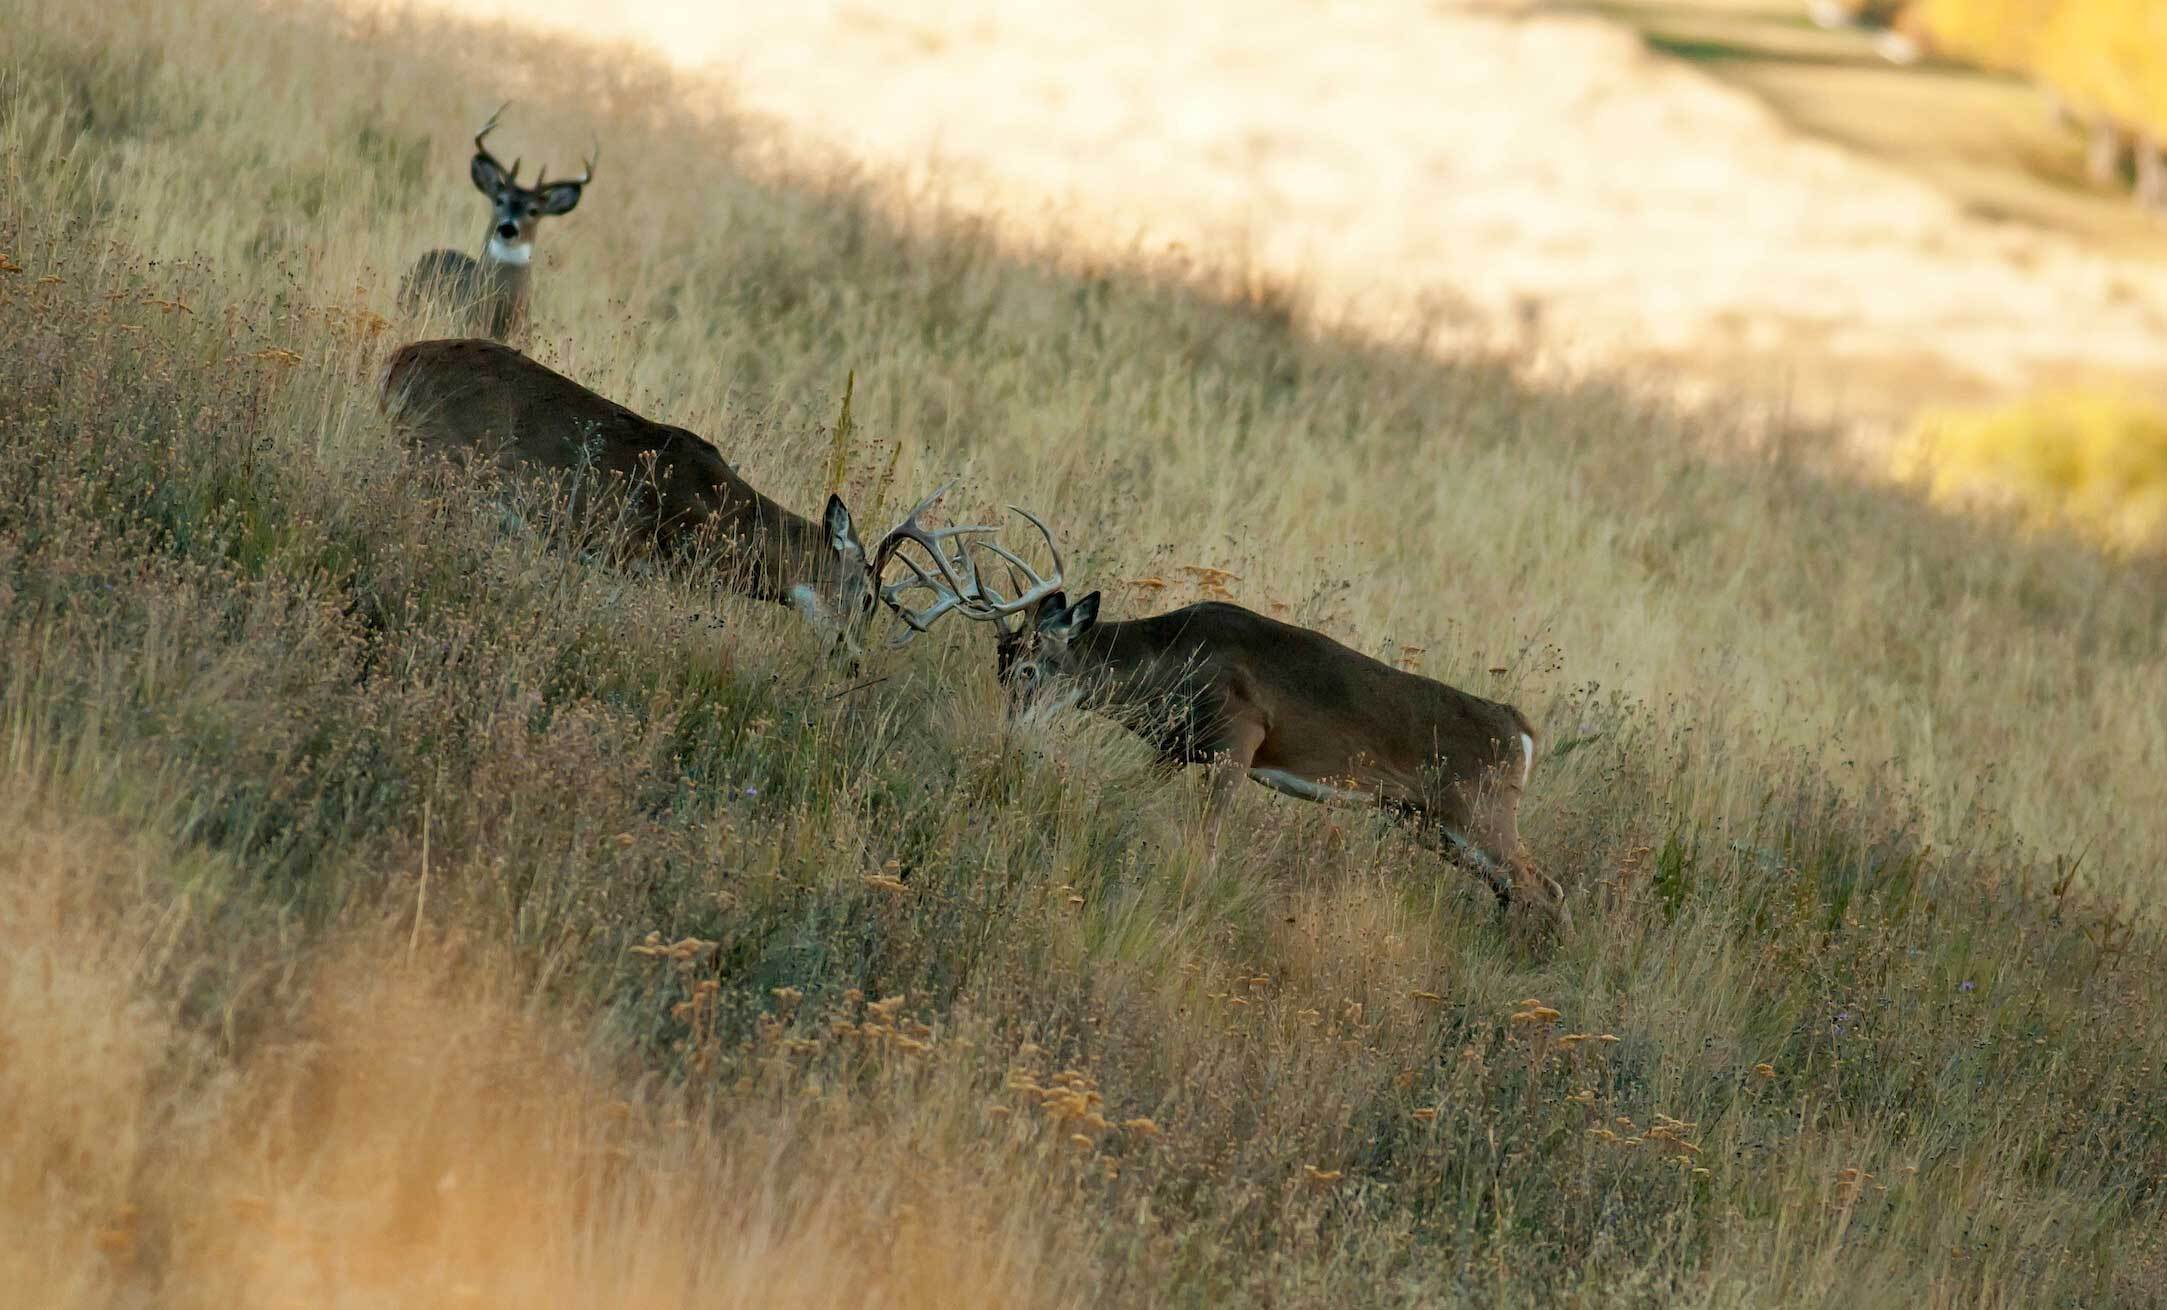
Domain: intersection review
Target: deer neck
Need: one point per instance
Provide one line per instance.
(1125, 666)
(507, 267)
(784, 557)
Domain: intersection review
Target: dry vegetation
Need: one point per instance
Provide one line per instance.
(394, 910)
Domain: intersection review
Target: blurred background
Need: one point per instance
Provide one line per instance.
(1936, 227)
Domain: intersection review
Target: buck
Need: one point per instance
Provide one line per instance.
(670, 491)
(1281, 705)
(489, 294)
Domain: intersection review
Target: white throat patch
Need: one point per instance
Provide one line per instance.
(510, 252)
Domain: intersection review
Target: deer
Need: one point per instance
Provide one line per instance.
(1255, 698)
(477, 400)
(490, 294)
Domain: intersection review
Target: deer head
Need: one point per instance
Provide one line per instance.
(516, 211)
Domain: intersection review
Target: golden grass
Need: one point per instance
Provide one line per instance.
(420, 1137)
(339, 813)
(2093, 462)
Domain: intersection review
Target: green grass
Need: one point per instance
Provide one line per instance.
(336, 809)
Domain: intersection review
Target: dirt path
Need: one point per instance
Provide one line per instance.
(1544, 169)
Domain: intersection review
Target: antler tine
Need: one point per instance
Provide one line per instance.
(895, 539)
(1039, 587)
(912, 530)
(1052, 547)
(583, 179)
(489, 127)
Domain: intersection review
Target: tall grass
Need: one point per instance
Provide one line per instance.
(400, 911)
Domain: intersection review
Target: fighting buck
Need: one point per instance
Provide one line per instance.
(670, 491)
(1284, 706)
(490, 294)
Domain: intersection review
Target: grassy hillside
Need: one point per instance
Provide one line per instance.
(397, 911)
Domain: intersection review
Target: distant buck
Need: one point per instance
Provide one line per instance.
(490, 294)
(1282, 705)
(672, 492)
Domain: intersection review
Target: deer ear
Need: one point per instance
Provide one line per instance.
(560, 197)
(842, 533)
(487, 173)
(1060, 621)
(1049, 612)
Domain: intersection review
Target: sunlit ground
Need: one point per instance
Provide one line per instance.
(1498, 175)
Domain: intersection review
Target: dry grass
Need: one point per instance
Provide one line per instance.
(1493, 166)
(339, 815)
(2090, 462)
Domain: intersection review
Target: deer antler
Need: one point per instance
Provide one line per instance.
(489, 127)
(958, 585)
(541, 179)
(483, 150)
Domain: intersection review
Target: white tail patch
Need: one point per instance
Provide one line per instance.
(1527, 758)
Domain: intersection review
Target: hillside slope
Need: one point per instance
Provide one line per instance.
(1481, 169)
(396, 910)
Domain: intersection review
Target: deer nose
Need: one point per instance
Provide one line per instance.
(507, 230)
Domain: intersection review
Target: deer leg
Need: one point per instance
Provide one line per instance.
(1457, 848)
(1230, 764)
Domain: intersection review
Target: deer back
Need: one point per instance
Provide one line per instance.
(470, 399)
(1194, 664)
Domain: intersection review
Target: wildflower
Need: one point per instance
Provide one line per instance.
(1764, 1069)
(1082, 1142)
(1965, 985)
(887, 882)
(1425, 1114)
(1141, 1127)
